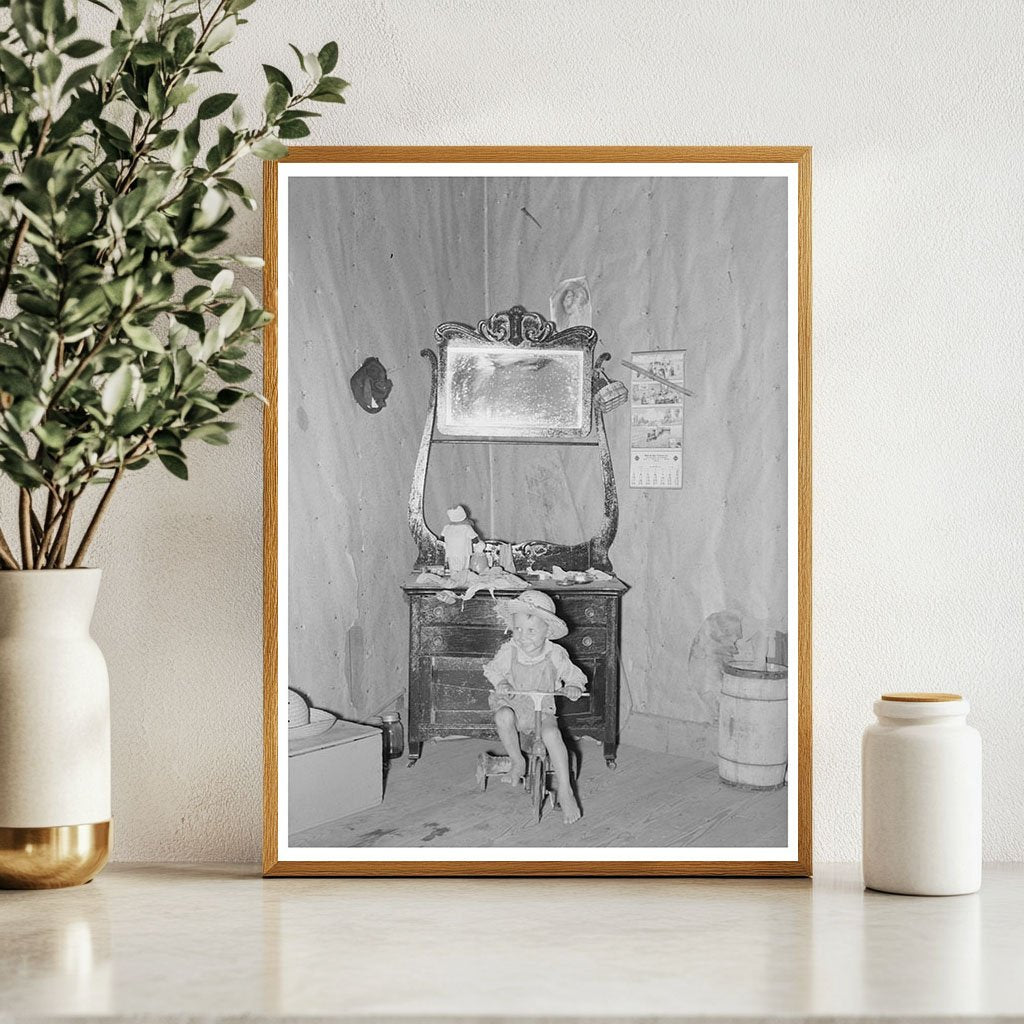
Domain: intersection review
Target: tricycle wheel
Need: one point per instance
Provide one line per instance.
(535, 782)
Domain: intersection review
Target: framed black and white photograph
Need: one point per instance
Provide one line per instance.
(494, 644)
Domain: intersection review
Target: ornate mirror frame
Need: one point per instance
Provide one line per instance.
(513, 331)
(510, 360)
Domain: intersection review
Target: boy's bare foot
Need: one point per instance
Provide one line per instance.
(517, 768)
(570, 807)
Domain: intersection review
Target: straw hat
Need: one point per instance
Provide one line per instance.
(534, 602)
(304, 721)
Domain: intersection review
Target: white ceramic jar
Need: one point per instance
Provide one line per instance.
(921, 778)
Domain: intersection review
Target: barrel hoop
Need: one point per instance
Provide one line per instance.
(753, 764)
(759, 700)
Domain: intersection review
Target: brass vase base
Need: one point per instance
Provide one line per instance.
(53, 857)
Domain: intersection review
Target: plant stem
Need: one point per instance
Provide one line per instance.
(54, 506)
(83, 362)
(19, 234)
(6, 554)
(94, 523)
(51, 509)
(37, 529)
(12, 255)
(61, 543)
(25, 520)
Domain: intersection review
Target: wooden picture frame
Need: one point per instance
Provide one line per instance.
(665, 169)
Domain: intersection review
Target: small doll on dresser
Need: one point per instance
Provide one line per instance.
(530, 661)
(458, 537)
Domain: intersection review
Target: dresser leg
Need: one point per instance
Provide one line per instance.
(415, 750)
(609, 755)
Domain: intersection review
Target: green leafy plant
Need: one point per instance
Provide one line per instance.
(123, 334)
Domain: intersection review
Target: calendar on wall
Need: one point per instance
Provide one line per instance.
(656, 418)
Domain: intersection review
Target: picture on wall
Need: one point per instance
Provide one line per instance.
(542, 605)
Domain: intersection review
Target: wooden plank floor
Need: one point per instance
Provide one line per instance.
(652, 799)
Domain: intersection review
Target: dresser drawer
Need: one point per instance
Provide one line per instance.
(586, 642)
(583, 609)
(479, 611)
(434, 641)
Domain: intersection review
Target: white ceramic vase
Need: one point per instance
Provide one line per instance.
(54, 731)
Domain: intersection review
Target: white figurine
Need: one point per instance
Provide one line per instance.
(458, 538)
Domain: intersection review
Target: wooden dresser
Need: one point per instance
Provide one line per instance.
(450, 643)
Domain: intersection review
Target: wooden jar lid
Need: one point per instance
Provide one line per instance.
(921, 698)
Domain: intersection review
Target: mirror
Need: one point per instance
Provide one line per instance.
(514, 378)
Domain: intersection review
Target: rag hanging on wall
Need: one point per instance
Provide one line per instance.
(370, 385)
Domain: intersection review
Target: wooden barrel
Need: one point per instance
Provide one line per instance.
(752, 725)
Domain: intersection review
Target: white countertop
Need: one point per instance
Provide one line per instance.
(179, 941)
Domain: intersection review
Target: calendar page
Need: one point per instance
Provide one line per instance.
(656, 419)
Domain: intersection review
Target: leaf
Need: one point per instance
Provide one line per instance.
(82, 48)
(293, 130)
(269, 149)
(256, 262)
(53, 435)
(78, 78)
(133, 12)
(143, 338)
(193, 379)
(211, 433)
(328, 57)
(222, 282)
(323, 96)
(232, 319)
(162, 139)
(53, 14)
(184, 44)
(210, 209)
(149, 53)
(16, 70)
(311, 65)
(232, 373)
(129, 207)
(211, 343)
(276, 99)
(26, 414)
(227, 397)
(128, 421)
(175, 465)
(216, 104)
(21, 471)
(29, 30)
(49, 68)
(109, 65)
(116, 390)
(276, 76)
(221, 35)
(334, 84)
(181, 94)
(156, 101)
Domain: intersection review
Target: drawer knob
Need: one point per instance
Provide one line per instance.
(437, 643)
(588, 641)
(590, 613)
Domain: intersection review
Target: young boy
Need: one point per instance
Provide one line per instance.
(530, 661)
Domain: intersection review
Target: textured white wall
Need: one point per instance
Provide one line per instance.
(914, 116)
